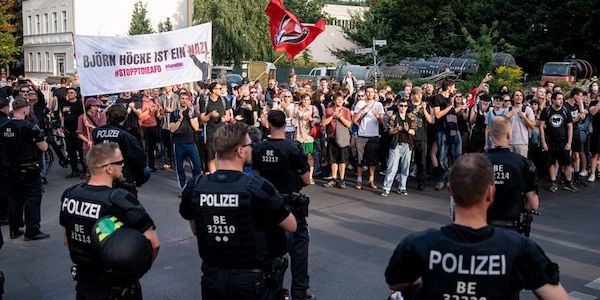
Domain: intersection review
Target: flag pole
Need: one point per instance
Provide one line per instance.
(265, 71)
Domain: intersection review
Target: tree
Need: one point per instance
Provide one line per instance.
(165, 26)
(140, 24)
(307, 11)
(412, 28)
(10, 32)
(485, 45)
(240, 29)
(538, 29)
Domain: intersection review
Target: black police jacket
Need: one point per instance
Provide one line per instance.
(281, 162)
(82, 206)
(458, 262)
(134, 155)
(236, 219)
(18, 139)
(515, 176)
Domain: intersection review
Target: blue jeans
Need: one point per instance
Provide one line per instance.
(398, 156)
(318, 155)
(445, 141)
(183, 151)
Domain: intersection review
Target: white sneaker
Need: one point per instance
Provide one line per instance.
(592, 178)
(583, 173)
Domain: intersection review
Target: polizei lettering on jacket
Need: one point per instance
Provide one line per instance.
(81, 208)
(494, 264)
(219, 200)
(107, 133)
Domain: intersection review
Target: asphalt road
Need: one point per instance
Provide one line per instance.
(353, 234)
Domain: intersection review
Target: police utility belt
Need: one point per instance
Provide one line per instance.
(298, 202)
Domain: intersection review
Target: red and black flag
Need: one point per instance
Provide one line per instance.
(287, 33)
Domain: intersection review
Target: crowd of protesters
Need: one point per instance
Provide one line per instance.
(346, 125)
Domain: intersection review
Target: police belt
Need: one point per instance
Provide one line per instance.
(205, 268)
(513, 224)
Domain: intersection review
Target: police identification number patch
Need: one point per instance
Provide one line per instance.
(220, 220)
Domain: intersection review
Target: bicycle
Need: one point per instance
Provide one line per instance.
(56, 141)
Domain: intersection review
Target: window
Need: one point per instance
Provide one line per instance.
(64, 20)
(30, 62)
(59, 69)
(54, 23)
(38, 25)
(39, 62)
(29, 25)
(45, 20)
(47, 68)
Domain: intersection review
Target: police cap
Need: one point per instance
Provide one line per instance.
(126, 254)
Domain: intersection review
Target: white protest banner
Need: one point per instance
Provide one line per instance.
(109, 65)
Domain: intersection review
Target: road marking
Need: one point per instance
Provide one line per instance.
(594, 284)
(581, 296)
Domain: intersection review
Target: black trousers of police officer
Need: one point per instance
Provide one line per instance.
(233, 284)
(24, 193)
(93, 290)
(299, 257)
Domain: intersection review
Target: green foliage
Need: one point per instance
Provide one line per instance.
(140, 24)
(165, 26)
(240, 29)
(10, 32)
(307, 11)
(538, 30)
(511, 77)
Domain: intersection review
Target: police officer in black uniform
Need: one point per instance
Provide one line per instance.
(4, 111)
(283, 163)
(22, 143)
(83, 205)
(469, 259)
(135, 171)
(239, 222)
(515, 179)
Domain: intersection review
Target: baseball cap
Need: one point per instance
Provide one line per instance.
(92, 102)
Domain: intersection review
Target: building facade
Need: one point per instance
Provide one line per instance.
(340, 17)
(49, 27)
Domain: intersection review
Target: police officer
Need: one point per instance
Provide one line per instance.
(239, 222)
(283, 163)
(23, 143)
(83, 205)
(135, 171)
(469, 259)
(4, 111)
(515, 180)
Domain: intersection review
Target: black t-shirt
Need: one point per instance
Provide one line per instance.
(207, 107)
(71, 112)
(595, 119)
(246, 109)
(185, 133)
(420, 122)
(442, 102)
(60, 93)
(281, 162)
(574, 111)
(515, 176)
(494, 262)
(556, 125)
(132, 120)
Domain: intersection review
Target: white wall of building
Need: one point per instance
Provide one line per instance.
(49, 26)
(333, 36)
